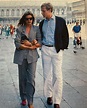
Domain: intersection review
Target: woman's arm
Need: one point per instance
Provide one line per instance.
(22, 46)
(27, 45)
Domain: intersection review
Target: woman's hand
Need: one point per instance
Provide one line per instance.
(32, 47)
(34, 42)
(27, 43)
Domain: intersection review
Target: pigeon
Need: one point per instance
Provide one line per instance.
(75, 52)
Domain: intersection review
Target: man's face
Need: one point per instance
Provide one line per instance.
(77, 23)
(45, 12)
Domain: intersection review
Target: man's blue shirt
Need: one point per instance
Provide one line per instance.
(77, 29)
(48, 30)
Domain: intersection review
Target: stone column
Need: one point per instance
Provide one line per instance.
(86, 12)
(85, 22)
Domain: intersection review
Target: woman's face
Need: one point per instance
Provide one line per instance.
(29, 20)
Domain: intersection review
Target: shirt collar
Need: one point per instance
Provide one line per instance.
(53, 18)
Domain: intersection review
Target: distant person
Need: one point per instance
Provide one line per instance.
(7, 31)
(55, 39)
(28, 39)
(11, 30)
(0, 29)
(77, 35)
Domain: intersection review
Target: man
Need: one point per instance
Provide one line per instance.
(77, 36)
(0, 29)
(55, 39)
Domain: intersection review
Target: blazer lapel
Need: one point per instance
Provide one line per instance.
(32, 34)
(23, 30)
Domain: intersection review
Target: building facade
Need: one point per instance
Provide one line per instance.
(10, 12)
(78, 11)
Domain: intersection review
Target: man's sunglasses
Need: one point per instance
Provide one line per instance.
(29, 18)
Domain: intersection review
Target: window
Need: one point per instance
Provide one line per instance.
(28, 9)
(7, 12)
(23, 11)
(12, 12)
(62, 11)
(18, 12)
(33, 11)
(38, 12)
(2, 12)
(58, 11)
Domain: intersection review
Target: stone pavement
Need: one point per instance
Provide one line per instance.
(74, 78)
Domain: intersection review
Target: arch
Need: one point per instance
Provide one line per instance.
(23, 10)
(62, 11)
(2, 12)
(7, 12)
(86, 13)
(38, 12)
(12, 12)
(58, 11)
(33, 11)
(28, 9)
(18, 12)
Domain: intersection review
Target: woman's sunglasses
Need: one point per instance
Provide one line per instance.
(29, 18)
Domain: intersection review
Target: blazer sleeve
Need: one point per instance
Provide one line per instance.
(65, 36)
(38, 35)
(40, 27)
(17, 39)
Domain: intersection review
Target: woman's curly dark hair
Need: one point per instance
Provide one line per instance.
(22, 21)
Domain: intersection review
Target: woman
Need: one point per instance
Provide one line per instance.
(28, 39)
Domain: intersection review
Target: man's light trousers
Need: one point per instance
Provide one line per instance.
(52, 72)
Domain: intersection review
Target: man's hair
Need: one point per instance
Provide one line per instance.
(48, 6)
(77, 22)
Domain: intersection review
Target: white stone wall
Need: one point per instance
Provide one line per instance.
(9, 13)
(78, 10)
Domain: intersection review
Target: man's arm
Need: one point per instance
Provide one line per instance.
(65, 36)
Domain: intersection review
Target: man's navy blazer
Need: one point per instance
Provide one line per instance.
(61, 35)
